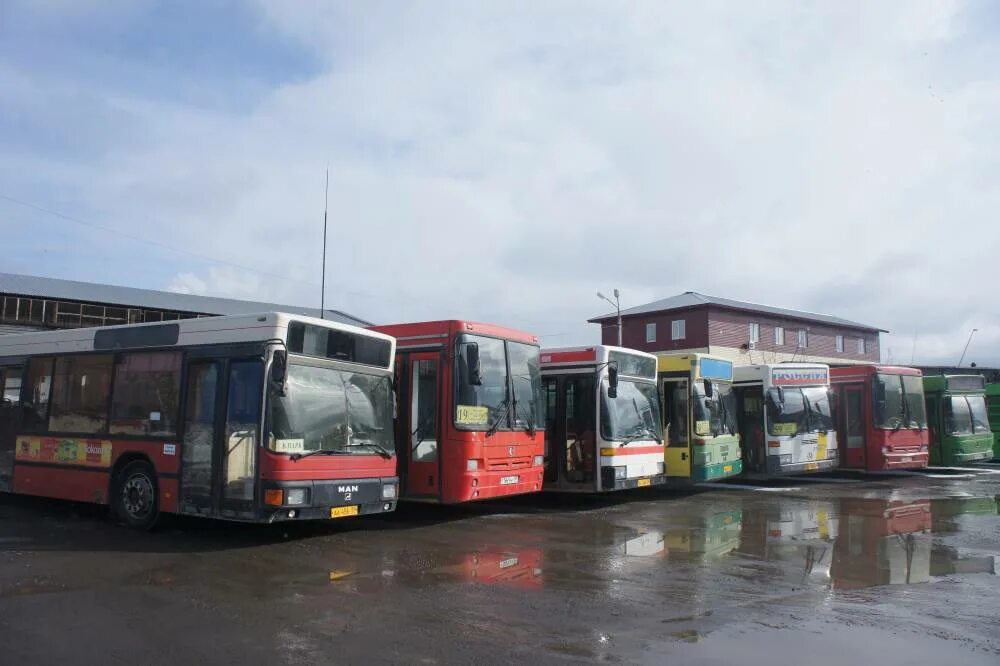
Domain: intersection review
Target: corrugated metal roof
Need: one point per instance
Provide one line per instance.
(90, 292)
(693, 299)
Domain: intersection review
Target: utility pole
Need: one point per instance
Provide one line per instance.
(322, 288)
(618, 310)
(966, 346)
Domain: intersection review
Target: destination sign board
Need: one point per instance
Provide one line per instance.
(800, 376)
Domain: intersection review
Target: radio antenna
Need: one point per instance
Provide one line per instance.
(322, 288)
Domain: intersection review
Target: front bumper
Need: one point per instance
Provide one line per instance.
(715, 471)
(916, 460)
(366, 495)
(775, 468)
(609, 483)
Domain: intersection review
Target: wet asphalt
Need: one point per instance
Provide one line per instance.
(883, 570)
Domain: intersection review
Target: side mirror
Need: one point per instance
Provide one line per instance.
(709, 388)
(279, 371)
(475, 368)
(612, 381)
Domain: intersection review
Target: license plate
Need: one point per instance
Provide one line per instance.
(811, 466)
(343, 511)
(907, 458)
(509, 480)
(643, 483)
(727, 468)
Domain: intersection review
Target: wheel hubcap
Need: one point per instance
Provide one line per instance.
(137, 496)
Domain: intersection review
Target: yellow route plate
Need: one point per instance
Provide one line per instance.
(343, 511)
(811, 466)
(643, 482)
(727, 468)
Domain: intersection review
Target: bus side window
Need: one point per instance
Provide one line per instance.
(35, 408)
(80, 393)
(10, 386)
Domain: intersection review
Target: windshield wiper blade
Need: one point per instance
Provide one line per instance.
(379, 449)
(644, 431)
(529, 424)
(504, 407)
(316, 452)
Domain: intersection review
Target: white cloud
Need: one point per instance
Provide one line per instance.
(501, 162)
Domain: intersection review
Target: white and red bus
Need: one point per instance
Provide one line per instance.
(470, 411)
(256, 418)
(602, 419)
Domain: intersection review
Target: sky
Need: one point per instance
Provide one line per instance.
(505, 161)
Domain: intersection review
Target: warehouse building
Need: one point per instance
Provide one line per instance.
(30, 303)
(745, 333)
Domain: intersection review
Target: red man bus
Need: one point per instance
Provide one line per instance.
(470, 422)
(881, 417)
(255, 418)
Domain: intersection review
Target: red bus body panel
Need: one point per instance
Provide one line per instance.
(504, 454)
(279, 467)
(884, 449)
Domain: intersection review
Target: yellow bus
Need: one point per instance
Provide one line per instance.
(699, 417)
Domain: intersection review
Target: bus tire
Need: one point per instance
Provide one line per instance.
(135, 495)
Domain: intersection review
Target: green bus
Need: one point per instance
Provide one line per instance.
(957, 419)
(993, 406)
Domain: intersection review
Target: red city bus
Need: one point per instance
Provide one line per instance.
(881, 417)
(256, 418)
(470, 416)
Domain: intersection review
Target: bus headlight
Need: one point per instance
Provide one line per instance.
(389, 491)
(471, 465)
(296, 496)
(539, 461)
(621, 472)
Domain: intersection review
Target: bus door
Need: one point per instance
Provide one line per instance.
(750, 408)
(10, 402)
(676, 433)
(221, 436)
(571, 432)
(853, 426)
(419, 418)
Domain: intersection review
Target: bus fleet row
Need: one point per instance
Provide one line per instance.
(275, 417)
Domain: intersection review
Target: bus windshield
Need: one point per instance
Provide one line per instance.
(913, 396)
(716, 415)
(484, 405)
(980, 420)
(526, 374)
(331, 410)
(889, 403)
(635, 413)
(957, 416)
(798, 410)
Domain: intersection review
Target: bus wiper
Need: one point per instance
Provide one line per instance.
(316, 452)
(505, 407)
(379, 449)
(529, 424)
(643, 431)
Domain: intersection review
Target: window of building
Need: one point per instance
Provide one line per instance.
(651, 332)
(754, 332)
(861, 345)
(80, 394)
(147, 394)
(803, 337)
(779, 335)
(677, 329)
(840, 343)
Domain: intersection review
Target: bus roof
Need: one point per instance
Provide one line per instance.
(955, 383)
(586, 355)
(846, 373)
(422, 333)
(201, 331)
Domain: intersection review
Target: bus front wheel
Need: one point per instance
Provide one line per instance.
(136, 499)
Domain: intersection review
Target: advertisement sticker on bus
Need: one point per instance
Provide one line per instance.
(799, 376)
(471, 415)
(83, 452)
(715, 368)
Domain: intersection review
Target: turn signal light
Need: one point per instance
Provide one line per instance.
(774, 444)
(273, 497)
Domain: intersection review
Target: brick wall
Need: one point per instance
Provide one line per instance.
(729, 328)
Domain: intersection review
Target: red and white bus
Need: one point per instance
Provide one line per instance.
(602, 419)
(880, 417)
(254, 418)
(469, 424)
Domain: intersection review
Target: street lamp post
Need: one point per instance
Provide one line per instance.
(973, 332)
(618, 310)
